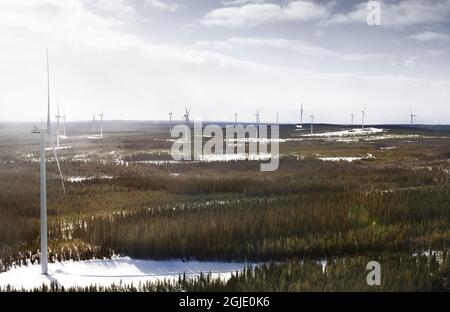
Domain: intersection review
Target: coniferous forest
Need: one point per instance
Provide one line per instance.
(132, 201)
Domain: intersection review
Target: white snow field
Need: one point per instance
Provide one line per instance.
(347, 133)
(121, 270)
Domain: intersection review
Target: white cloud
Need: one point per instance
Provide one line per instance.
(163, 6)
(297, 46)
(253, 14)
(399, 14)
(429, 36)
(240, 2)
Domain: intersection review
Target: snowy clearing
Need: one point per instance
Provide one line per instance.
(349, 159)
(347, 133)
(82, 179)
(123, 270)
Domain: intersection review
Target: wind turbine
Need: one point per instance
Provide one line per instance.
(93, 124)
(312, 122)
(301, 114)
(186, 115)
(257, 116)
(101, 124)
(278, 119)
(64, 120)
(46, 133)
(235, 119)
(412, 117)
(58, 117)
(352, 115)
(170, 121)
(363, 115)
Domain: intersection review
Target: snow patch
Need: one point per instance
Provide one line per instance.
(123, 270)
(347, 133)
(349, 159)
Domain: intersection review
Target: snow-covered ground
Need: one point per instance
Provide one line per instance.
(347, 133)
(349, 159)
(234, 157)
(116, 271)
(83, 178)
(58, 148)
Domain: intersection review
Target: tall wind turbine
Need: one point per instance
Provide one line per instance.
(46, 133)
(412, 117)
(101, 124)
(58, 117)
(278, 119)
(363, 115)
(352, 115)
(301, 114)
(64, 123)
(93, 124)
(170, 121)
(257, 116)
(235, 119)
(312, 123)
(186, 115)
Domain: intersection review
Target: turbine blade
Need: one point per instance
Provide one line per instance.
(57, 163)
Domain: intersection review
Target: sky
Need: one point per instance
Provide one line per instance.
(141, 59)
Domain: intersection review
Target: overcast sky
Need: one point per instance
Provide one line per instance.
(139, 59)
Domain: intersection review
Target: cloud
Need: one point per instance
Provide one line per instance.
(162, 6)
(399, 14)
(297, 46)
(253, 14)
(240, 2)
(429, 36)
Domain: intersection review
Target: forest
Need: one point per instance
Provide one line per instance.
(394, 207)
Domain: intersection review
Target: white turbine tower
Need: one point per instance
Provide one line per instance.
(64, 123)
(101, 124)
(45, 134)
(186, 115)
(352, 115)
(278, 119)
(235, 119)
(301, 114)
(93, 124)
(312, 123)
(58, 117)
(257, 117)
(363, 115)
(170, 121)
(412, 116)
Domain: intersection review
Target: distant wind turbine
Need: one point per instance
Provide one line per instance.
(312, 123)
(235, 119)
(412, 116)
(278, 119)
(101, 124)
(170, 121)
(352, 116)
(301, 114)
(257, 117)
(363, 115)
(186, 115)
(45, 134)
(64, 123)
(58, 117)
(93, 124)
